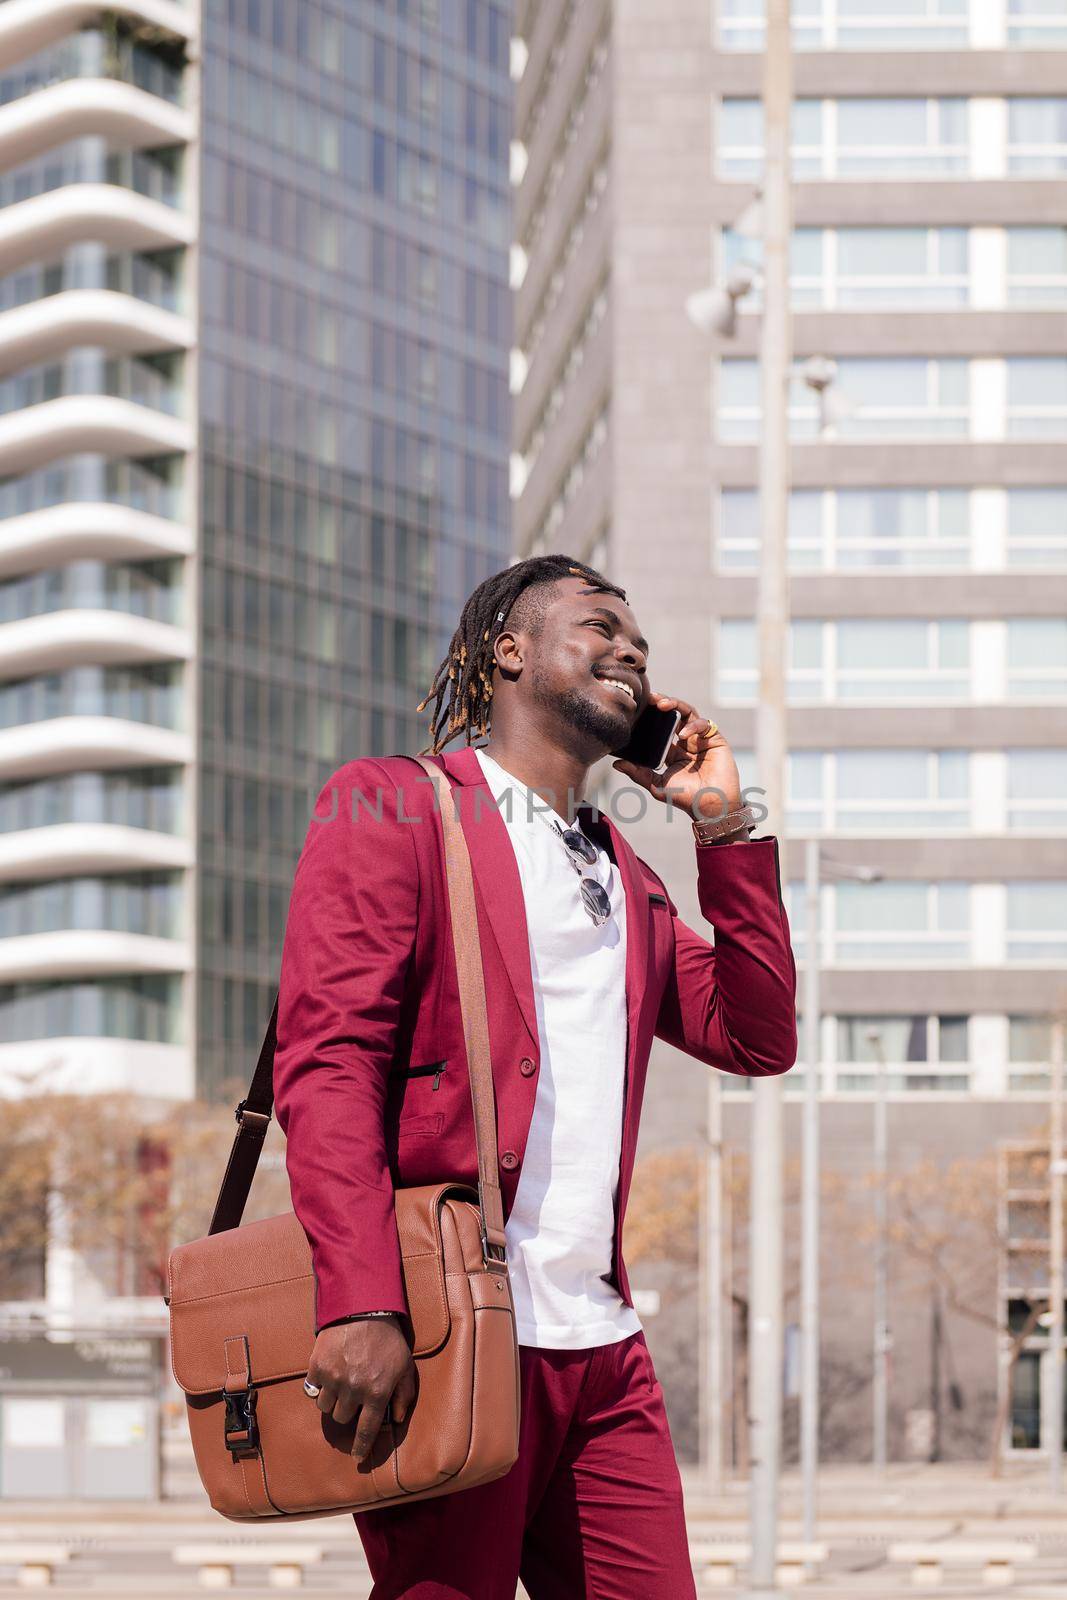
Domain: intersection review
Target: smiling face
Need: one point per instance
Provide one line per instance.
(577, 667)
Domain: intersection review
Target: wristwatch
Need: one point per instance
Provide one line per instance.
(720, 830)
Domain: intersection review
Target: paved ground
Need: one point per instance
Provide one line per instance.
(124, 1550)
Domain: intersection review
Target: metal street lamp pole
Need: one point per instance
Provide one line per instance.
(809, 1223)
(814, 863)
(712, 1370)
(880, 1386)
(1055, 1265)
(766, 1132)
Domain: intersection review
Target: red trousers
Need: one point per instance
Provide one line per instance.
(591, 1510)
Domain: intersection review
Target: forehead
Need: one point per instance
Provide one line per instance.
(574, 594)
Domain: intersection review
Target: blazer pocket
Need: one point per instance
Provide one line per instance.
(429, 1069)
(428, 1124)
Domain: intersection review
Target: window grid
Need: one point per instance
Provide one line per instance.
(821, 535)
(817, 675)
(825, 146)
(930, 24)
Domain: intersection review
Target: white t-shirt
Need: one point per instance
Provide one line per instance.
(561, 1228)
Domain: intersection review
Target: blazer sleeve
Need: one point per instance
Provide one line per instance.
(349, 941)
(732, 1004)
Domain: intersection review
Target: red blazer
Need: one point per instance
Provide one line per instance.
(369, 1002)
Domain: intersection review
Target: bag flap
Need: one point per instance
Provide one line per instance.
(257, 1280)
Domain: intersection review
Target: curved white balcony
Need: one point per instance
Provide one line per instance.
(66, 849)
(83, 953)
(71, 744)
(117, 323)
(89, 424)
(90, 1065)
(41, 228)
(87, 637)
(127, 117)
(73, 531)
(27, 26)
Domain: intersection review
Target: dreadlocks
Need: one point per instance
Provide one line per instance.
(465, 673)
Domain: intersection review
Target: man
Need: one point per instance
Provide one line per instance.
(585, 960)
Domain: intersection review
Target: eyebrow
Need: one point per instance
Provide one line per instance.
(613, 616)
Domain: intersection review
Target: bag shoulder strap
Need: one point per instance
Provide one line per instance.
(254, 1111)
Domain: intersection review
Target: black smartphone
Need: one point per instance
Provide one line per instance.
(650, 738)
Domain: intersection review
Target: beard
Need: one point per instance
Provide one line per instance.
(596, 723)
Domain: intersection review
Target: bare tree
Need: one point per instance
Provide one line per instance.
(129, 1179)
(948, 1233)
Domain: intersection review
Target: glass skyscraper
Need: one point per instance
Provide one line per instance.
(353, 409)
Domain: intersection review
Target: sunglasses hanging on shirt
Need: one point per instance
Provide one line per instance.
(595, 897)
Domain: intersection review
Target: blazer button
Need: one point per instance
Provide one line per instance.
(509, 1160)
(527, 1067)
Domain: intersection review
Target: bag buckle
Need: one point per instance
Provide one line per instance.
(493, 1255)
(240, 1429)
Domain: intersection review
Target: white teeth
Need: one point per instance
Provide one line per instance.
(625, 687)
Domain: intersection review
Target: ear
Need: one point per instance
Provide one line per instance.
(507, 654)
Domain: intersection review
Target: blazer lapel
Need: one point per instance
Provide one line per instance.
(496, 874)
(637, 930)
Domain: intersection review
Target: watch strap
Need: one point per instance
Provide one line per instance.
(715, 830)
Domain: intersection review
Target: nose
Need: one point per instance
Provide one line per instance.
(630, 654)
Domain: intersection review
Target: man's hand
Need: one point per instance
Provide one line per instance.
(701, 775)
(365, 1368)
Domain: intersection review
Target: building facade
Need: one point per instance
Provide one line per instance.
(928, 668)
(254, 334)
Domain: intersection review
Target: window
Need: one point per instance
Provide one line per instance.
(1037, 657)
(1037, 527)
(1037, 397)
(1037, 135)
(891, 923)
(873, 659)
(873, 791)
(872, 1039)
(151, 798)
(888, 397)
(900, 790)
(1036, 922)
(1037, 789)
(144, 903)
(894, 922)
(739, 529)
(901, 1039)
(850, 24)
(1037, 22)
(151, 693)
(876, 267)
(899, 137)
(902, 527)
(844, 528)
(877, 137)
(1030, 1046)
(905, 267)
(1037, 266)
(898, 658)
(740, 138)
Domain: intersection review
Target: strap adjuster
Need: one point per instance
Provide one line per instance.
(493, 1255)
(243, 1115)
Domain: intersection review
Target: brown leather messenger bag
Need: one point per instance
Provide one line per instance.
(242, 1310)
